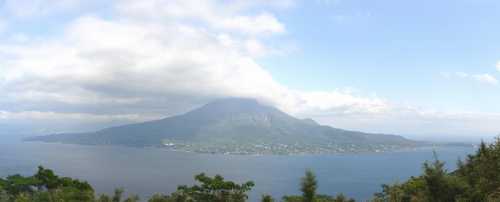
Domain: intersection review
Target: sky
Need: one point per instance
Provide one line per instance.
(422, 69)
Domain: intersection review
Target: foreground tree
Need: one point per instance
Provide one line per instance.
(309, 186)
(44, 186)
(476, 179)
(209, 189)
(215, 189)
(267, 198)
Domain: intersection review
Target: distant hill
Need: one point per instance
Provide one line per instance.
(236, 125)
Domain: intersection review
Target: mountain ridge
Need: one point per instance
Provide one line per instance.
(236, 125)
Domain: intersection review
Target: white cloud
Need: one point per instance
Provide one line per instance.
(338, 102)
(485, 78)
(261, 24)
(421, 123)
(481, 78)
(130, 61)
(159, 58)
(462, 74)
(498, 66)
(215, 14)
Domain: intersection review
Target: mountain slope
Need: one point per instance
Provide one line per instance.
(236, 125)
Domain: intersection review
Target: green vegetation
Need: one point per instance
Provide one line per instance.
(476, 179)
(45, 186)
(308, 188)
(211, 189)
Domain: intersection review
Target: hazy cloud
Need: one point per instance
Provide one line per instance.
(158, 58)
(223, 16)
(34, 8)
(3, 25)
(81, 117)
(485, 78)
(329, 2)
(481, 78)
(142, 63)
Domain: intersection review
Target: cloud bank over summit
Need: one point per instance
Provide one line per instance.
(141, 60)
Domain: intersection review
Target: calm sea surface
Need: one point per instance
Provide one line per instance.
(145, 171)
